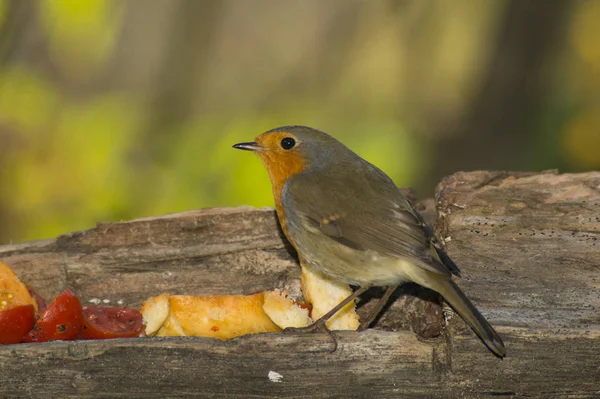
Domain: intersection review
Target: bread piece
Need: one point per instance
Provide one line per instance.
(324, 294)
(221, 316)
(283, 311)
(229, 316)
(155, 312)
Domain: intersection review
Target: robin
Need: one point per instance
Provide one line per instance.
(348, 220)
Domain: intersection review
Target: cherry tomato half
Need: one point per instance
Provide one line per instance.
(103, 322)
(62, 320)
(15, 323)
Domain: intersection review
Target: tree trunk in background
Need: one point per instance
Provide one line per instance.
(173, 95)
(317, 74)
(182, 64)
(19, 42)
(511, 92)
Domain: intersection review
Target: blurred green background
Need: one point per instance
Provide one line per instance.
(116, 109)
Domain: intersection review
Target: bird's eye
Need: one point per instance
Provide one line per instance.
(288, 143)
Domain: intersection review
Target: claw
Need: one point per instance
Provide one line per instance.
(317, 326)
(321, 323)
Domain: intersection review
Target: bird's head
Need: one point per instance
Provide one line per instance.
(289, 150)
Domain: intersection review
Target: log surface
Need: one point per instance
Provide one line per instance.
(527, 245)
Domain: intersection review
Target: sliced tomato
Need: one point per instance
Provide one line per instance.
(62, 320)
(41, 302)
(15, 323)
(104, 322)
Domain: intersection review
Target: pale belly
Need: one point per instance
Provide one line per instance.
(349, 265)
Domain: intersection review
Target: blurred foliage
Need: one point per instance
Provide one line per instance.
(113, 110)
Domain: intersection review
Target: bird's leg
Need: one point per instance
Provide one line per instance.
(321, 325)
(380, 305)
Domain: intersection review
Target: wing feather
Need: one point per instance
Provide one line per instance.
(382, 221)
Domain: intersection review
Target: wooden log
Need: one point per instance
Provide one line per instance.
(527, 245)
(263, 365)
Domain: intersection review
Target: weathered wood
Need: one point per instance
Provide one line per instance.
(391, 364)
(527, 245)
(532, 246)
(536, 366)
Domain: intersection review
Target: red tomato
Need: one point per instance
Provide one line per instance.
(103, 322)
(15, 323)
(60, 321)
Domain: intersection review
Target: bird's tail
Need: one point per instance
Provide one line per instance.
(461, 304)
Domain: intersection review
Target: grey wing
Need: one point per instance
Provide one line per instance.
(384, 222)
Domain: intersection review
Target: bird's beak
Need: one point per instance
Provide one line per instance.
(250, 146)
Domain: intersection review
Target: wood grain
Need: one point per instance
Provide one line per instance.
(390, 364)
(529, 249)
(529, 246)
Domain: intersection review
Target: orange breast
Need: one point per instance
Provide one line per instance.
(281, 167)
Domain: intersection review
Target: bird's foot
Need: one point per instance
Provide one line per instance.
(317, 326)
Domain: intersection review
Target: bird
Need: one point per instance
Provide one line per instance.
(349, 221)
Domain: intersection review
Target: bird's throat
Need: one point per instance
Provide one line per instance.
(281, 168)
